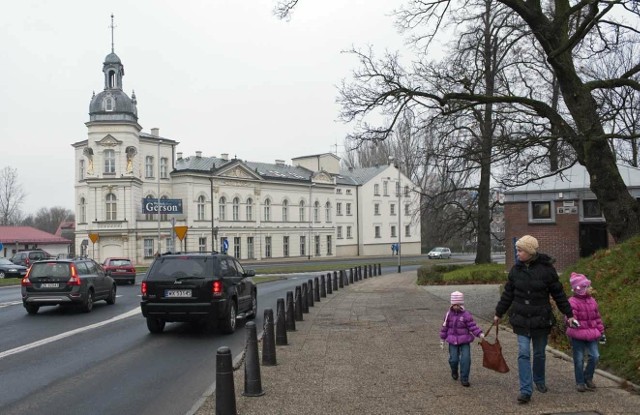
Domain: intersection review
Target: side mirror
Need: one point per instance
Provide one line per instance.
(250, 273)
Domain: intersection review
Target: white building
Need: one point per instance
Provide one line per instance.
(261, 210)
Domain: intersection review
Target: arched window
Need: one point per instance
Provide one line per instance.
(236, 209)
(201, 205)
(249, 209)
(267, 210)
(83, 210)
(109, 161)
(327, 212)
(316, 211)
(222, 208)
(149, 216)
(301, 211)
(111, 207)
(285, 210)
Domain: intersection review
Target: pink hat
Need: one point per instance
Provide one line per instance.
(457, 298)
(579, 283)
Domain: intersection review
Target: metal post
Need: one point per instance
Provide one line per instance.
(213, 233)
(399, 218)
(158, 207)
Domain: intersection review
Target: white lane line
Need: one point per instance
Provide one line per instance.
(2, 305)
(60, 336)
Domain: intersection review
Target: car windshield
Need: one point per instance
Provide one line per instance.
(49, 269)
(119, 263)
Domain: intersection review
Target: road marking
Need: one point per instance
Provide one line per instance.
(60, 336)
(10, 303)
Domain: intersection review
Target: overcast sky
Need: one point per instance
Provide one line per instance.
(220, 76)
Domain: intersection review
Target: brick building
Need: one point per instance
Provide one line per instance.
(562, 212)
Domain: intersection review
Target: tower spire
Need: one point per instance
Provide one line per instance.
(112, 29)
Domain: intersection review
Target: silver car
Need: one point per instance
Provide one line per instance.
(439, 253)
(66, 281)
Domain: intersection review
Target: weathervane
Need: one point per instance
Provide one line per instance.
(112, 27)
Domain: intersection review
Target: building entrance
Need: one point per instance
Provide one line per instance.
(593, 236)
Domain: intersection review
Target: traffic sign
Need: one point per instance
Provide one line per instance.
(1, 246)
(94, 237)
(181, 231)
(225, 245)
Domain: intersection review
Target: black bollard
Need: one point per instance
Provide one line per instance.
(370, 271)
(268, 340)
(351, 281)
(252, 381)
(323, 286)
(290, 315)
(340, 279)
(310, 293)
(298, 304)
(329, 284)
(359, 272)
(379, 268)
(346, 278)
(365, 272)
(335, 281)
(375, 270)
(305, 305)
(225, 389)
(281, 326)
(316, 290)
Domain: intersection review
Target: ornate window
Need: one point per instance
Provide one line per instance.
(164, 167)
(316, 212)
(267, 210)
(148, 167)
(285, 212)
(83, 210)
(111, 207)
(201, 206)
(222, 208)
(109, 161)
(301, 211)
(249, 210)
(235, 209)
(327, 212)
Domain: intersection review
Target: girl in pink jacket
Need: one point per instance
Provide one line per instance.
(586, 333)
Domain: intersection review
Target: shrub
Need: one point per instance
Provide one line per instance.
(428, 276)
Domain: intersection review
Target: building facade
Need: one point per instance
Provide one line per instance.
(563, 213)
(136, 195)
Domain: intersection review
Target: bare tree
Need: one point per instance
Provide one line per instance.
(49, 219)
(11, 196)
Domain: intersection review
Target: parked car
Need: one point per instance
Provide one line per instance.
(10, 270)
(211, 289)
(439, 252)
(26, 258)
(66, 281)
(120, 269)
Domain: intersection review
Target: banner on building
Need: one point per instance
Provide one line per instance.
(166, 206)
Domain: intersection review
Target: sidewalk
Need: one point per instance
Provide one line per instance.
(373, 348)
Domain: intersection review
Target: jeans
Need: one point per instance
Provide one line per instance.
(460, 354)
(584, 373)
(524, 361)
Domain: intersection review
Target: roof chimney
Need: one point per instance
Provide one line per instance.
(179, 153)
(224, 156)
(198, 154)
(279, 162)
(155, 132)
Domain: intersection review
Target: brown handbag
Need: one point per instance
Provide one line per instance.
(492, 354)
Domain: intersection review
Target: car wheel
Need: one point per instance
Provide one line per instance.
(155, 325)
(254, 306)
(228, 324)
(32, 308)
(111, 299)
(88, 303)
(1, 274)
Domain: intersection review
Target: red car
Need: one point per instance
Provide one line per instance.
(120, 269)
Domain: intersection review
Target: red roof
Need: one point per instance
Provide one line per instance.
(65, 226)
(27, 234)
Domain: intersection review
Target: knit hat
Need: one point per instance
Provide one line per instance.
(457, 298)
(528, 244)
(579, 283)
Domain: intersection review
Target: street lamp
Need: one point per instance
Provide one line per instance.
(399, 191)
(214, 230)
(158, 205)
(310, 219)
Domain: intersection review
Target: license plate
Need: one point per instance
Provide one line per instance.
(177, 293)
(49, 285)
(121, 270)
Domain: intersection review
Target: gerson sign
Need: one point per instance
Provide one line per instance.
(166, 206)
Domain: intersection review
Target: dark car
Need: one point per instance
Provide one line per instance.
(208, 288)
(66, 281)
(10, 270)
(26, 258)
(120, 269)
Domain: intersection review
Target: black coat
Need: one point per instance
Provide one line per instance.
(527, 292)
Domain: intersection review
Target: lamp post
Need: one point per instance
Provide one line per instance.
(213, 230)
(310, 219)
(158, 211)
(399, 218)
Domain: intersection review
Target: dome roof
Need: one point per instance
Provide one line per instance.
(112, 104)
(112, 58)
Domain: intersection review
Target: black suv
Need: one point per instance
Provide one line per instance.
(66, 281)
(26, 258)
(208, 288)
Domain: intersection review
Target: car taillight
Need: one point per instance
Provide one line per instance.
(217, 288)
(74, 280)
(143, 288)
(26, 282)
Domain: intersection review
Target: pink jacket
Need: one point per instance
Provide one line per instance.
(459, 327)
(585, 310)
